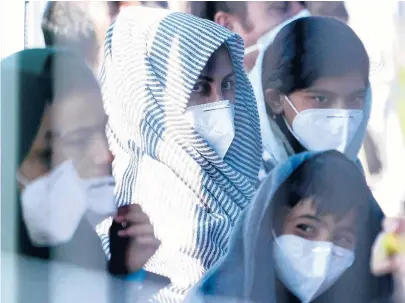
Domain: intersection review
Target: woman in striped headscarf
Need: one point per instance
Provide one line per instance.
(183, 127)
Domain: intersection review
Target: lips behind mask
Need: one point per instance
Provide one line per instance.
(54, 205)
(215, 123)
(309, 268)
(325, 129)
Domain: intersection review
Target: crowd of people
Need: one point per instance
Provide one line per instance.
(210, 154)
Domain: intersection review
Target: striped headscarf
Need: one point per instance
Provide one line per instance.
(193, 197)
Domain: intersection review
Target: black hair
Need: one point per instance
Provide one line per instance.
(310, 48)
(208, 9)
(333, 182)
(69, 24)
(303, 3)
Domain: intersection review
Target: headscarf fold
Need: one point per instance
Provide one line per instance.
(193, 197)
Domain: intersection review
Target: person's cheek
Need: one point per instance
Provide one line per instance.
(59, 156)
(289, 114)
(230, 95)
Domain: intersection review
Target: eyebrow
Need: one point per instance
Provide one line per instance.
(310, 217)
(74, 132)
(229, 75)
(209, 79)
(325, 92)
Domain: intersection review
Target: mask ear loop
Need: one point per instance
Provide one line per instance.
(251, 49)
(291, 104)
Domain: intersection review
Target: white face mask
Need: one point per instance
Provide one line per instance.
(54, 205)
(214, 122)
(325, 129)
(309, 268)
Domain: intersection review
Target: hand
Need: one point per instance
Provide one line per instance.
(389, 257)
(139, 230)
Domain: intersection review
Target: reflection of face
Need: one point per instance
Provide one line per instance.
(37, 162)
(344, 92)
(303, 221)
(217, 80)
(79, 134)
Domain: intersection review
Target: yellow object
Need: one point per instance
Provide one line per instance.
(394, 244)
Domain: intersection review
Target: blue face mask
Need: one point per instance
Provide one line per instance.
(309, 268)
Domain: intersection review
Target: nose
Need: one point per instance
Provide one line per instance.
(325, 236)
(216, 95)
(340, 103)
(101, 152)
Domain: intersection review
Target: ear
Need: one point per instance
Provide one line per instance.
(224, 19)
(273, 98)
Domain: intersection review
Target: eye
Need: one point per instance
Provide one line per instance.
(200, 87)
(46, 155)
(359, 99)
(227, 85)
(320, 99)
(77, 141)
(306, 229)
(345, 240)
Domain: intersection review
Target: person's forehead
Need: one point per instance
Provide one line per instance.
(77, 110)
(345, 84)
(220, 60)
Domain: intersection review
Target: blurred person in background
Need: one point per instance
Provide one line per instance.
(82, 25)
(254, 21)
(257, 23)
(184, 131)
(389, 254)
(315, 85)
(306, 237)
(64, 175)
(384, 148)
(78, 25)
(334, 9)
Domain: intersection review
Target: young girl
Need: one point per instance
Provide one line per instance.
(306, 237)
(315, 86)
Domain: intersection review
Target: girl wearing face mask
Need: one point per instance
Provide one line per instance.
(64, 172)
(183, 126)
(315, 85)
(306, 237)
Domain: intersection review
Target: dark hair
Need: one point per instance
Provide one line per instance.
(69, 24)
(208, 9)
(310, 48)
(335, 184)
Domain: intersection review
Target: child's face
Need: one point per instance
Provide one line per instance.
(217, 80)
(343, 92)
(303, 221)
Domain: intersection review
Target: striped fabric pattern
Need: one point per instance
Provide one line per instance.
(193, 197)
